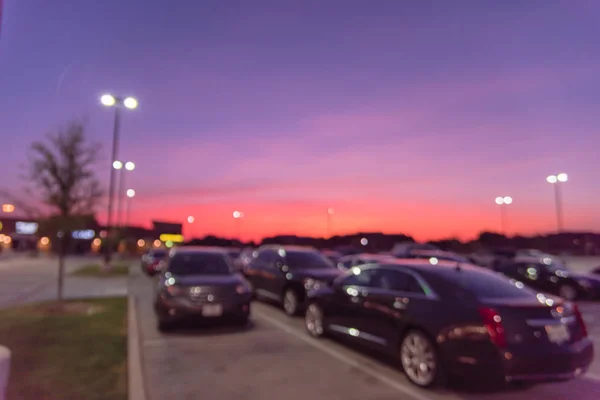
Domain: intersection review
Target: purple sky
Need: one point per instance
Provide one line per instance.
(406, 116)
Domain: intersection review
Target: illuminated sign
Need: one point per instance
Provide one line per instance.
(167, 237)
(87, 234)
(26, 228)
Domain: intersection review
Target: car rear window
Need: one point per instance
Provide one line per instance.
(199, 264)
(158, 254)
(307, 260)
(485, 284)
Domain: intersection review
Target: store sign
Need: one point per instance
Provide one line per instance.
(167, 237)
(87, 234)
(26, 228)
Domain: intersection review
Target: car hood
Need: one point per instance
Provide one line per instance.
(327, 275)
(592, 278)
(208, 280)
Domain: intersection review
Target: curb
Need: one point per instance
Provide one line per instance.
(135, 385)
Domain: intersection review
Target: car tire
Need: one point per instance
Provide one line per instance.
(314, 321)
(419, 359)
(567, 292)
(290, 302)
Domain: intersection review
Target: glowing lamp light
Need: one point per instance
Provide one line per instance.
(8, 208)
(191, 219)
(117, 164)
(130, 193)
(44, 241)
(108, 100)
(97, 242)
(562, 177)
(7, 239)
(504, 200)
(238, 214)
(157, 243)
(129, 166)
(330, 211)
(364, 241)
(130, 103)
(433, 261)
(141, 243)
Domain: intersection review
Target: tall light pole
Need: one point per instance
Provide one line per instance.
(130, 196)
(330, 212)
(237, 216)
(129, 166)
(556, 181)
(503, 202)
(131, 103)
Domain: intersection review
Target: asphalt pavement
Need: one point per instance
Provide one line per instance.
(274, 358)
(25, 279)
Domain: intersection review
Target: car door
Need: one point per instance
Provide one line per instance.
(256, 270)
(385, 304)
(344, 311)
(274, 275)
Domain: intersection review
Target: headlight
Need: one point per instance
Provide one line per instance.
(313, 284)
(241, 289)
(175, 290)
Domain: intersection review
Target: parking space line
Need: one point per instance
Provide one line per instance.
(342, 357)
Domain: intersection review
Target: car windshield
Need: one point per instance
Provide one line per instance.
(199, 264)
(307, 260)
(556, 266)
(485, 284)
(234, 253)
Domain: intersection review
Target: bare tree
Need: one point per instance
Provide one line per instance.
(61, 175)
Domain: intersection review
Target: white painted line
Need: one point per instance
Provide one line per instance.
(591, 376)
(342, 357)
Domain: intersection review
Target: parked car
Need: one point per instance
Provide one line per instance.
(403, 249)
(234, 255)
(348, 262)
(552, 277)
(333, 255)
(151, 261)
(284, 274)
(246, 256)
(442, 319)
(438, 254)
(200, 283)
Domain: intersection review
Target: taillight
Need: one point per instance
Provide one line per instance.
(580, 320)
(493, 323)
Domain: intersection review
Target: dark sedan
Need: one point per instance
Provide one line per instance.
(551, 276)
(151, 261)
(285, 273)
(200, 283)
(446, 319)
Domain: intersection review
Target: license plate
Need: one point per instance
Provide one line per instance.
(557, 333)
(212, 310)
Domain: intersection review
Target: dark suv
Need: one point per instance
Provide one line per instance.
(286, 273)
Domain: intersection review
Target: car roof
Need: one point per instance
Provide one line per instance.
(200, 249)
(373, 256)
(433, 253)
(287, 247)
(422, 264)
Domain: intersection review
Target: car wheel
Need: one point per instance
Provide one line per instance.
(419, 359)
(314, 321)
(290, 302)
(567, 292)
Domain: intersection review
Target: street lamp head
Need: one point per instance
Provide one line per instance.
(499, 200)
(191, 219)
(130, 193)
(364, 241)
(130, 103)
(552, 179)
(117, 164)
(330, 211)
(237, 214)
(108, 100)
(129, 166)
(507, 200)
(562, 177)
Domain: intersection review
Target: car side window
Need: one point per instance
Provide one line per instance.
(365, 279)
(263, 258)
